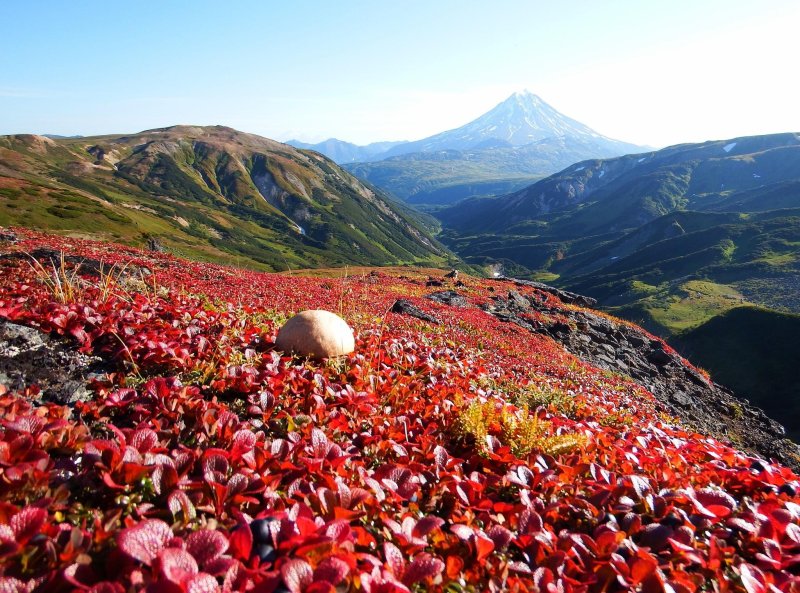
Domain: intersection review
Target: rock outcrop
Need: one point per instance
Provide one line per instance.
(30, 357)
(683, 391)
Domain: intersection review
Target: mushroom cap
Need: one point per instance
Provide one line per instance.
(316, 333)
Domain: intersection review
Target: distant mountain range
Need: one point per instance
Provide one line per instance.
(209, 193)
(603, 196)
(520, 140)
(346, 152)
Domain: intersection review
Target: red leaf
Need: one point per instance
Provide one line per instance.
(332, 569)
(320, 587)
(27, 523)
(241, 543)
(454, 566)
(297, 575)
(425, 525)
(643, 566)
(483, 546)
(206, 545)
(422, 567)
(144, 541)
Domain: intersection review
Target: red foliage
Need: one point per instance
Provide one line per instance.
(208, 461)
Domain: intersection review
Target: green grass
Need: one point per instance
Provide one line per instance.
(690, 304)
(546, 277)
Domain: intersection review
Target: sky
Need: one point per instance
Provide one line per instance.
(650, 72)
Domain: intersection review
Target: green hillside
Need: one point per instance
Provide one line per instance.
(635, 230)
(211, 193)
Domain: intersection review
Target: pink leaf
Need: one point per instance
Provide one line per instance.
(422, 567)
(144, 541)
(243, 442)
(717, 502)
(12, 585)
(500, 536)
(297, 575)
(752, 579)
(440, 455)
(201, 583)
(27, 523)
(394, 558)
(463, 532)
(220, 566)
(178, 501)
(332, 570)
(206, 545)
(144, 440)
(177, 565)
(107, 587)
(165, 478)
(339, 531)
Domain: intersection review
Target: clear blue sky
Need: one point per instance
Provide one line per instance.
(650, 72)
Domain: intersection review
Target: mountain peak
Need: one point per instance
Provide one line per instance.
(522, 118)
(525, 95)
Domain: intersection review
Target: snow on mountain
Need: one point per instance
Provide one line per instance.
(519, 120)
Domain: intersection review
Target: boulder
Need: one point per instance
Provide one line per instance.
(317, 334)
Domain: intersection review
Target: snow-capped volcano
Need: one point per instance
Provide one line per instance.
(521, 119)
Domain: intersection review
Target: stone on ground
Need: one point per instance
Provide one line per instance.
(317, 334)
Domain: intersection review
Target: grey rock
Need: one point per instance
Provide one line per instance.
(405, 307)
(448, 297)
(659, 356)
(564, 296)
(29, 357)
(519, 301)
(7, 236)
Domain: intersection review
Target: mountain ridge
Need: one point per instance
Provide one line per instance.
(210, 190)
